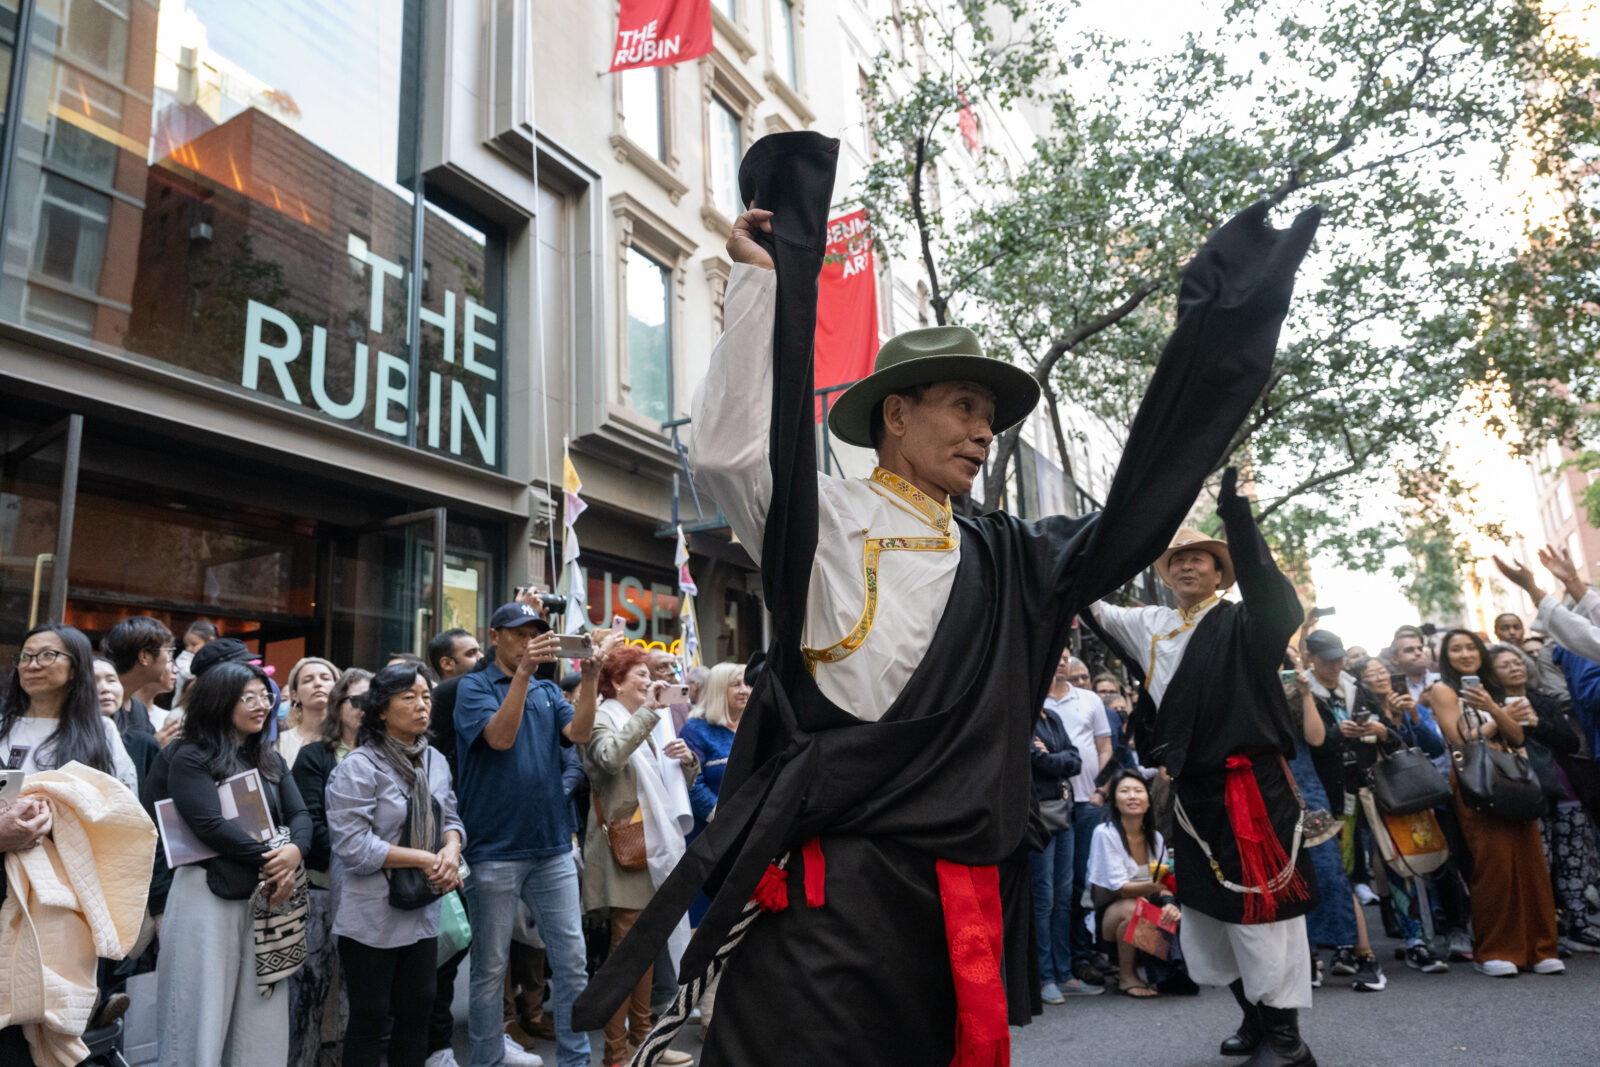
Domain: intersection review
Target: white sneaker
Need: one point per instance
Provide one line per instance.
(517, 1056)
(1551, 966)
(1497, 968)
(673, 1058)
(1365, 894)
(443, 1058)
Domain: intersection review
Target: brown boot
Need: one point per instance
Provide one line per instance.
(542, 1024)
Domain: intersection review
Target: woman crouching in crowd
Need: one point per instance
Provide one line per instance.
(1125, 860)
(391, 808)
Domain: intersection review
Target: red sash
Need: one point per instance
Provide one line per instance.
(973, 931)
(972, 926)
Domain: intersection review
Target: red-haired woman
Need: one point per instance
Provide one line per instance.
(639, 771)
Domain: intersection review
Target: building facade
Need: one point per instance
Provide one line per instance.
(300, 303)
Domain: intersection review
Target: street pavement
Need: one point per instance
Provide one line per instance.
(1420, 1020)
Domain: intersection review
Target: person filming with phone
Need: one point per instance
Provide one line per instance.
(1513, 905)
(638, 821)
(510, 726)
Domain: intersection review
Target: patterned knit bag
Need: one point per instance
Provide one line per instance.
(280, 933)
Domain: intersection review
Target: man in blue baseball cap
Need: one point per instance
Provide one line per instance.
(510, 727)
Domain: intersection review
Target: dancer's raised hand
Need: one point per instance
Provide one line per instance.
(743, 246)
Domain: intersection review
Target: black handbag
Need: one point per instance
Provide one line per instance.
(1407, 783)
(1496, 781)
(409, 888)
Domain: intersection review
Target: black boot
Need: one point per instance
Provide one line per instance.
(1282, 1046)
(1250, 1033)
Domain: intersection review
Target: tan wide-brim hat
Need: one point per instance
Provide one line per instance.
(926, 357)
(1190, 538)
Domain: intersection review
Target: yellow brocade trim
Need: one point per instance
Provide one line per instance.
(870, 551)
(1188, 615)
(919, 503)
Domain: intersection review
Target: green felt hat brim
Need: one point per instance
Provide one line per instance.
(1016, 391)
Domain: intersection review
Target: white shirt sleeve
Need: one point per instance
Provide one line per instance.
(1108, 864)
(1572, 631)
(732, 409)
(1589, 606)
(1124, 625)
(1100, 714)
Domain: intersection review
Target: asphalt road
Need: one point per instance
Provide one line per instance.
(1420, 1020)
(1459, 1019)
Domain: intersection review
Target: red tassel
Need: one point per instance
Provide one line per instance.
(1261, 855)
(816, 872)
(772, 892)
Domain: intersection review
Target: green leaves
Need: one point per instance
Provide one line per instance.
(1451, 143)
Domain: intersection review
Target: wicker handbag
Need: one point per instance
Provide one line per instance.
(625, 836)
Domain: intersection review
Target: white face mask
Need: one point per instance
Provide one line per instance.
(183, 660)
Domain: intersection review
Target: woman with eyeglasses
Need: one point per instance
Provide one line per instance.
(317, 990)
(52, 709)
(215, 955)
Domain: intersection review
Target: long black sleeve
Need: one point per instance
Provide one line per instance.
(194, 794)
(1271, 605)
(1232, 301)
(311, 769)
(293, 814)
(1063, 764)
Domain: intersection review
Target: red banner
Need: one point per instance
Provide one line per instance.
(658, 33)
(847, 305)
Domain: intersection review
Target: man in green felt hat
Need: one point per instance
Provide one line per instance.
(868, 861)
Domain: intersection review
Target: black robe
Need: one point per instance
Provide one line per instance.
(1225, 699)
(944, 774)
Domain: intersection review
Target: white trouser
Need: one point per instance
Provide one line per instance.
(1273, 959)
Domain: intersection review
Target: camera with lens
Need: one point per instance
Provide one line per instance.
(556, 605)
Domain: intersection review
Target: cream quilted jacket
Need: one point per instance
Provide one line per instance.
(80, 894)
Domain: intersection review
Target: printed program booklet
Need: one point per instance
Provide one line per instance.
(243, 804)
(1148, 932)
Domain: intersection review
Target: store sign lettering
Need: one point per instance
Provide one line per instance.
(646, 614)
(266, 356)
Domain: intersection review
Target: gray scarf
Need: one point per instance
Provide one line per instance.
(407, 763)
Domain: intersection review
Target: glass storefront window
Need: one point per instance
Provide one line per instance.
(230, 188)
(725, 152)
(649, 337)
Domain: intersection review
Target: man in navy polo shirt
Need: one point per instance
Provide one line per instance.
(510, 729)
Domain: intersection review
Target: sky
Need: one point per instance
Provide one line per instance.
(1367, 607)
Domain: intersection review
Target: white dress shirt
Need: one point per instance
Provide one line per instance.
(1083, 713)
(1574, 629)
(1157, 635)
(863, 648)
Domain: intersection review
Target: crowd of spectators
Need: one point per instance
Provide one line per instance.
(420, 814)
(1460, 882)
(478, 807)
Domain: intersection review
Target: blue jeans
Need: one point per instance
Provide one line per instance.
(1085, 817)
(1052, 906)
(1333, 920)
(549, 886)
